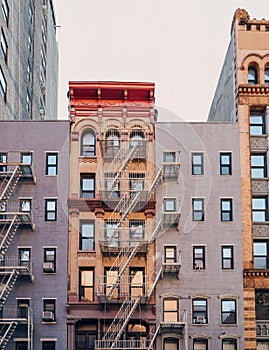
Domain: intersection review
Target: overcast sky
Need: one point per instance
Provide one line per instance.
(179, 45)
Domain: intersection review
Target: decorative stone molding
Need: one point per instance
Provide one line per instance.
(99, 213)
(262, 328)
(260, 186)
(260, 230)
(253, 90)
(241, 15)
(258, 143)
(74, 135)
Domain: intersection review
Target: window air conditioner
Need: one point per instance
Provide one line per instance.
(48, 315)
(200, 319)
(48, 266)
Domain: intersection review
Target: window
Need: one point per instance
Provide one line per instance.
(198, 209)
(170, 167)
(136, 182)
(137, 281)
(200, 344)
(3, 209)
(257, 123)
(259, 209)
(24, 256)
(170, 310)
(225, 164)
(112, 139)
(88, 144)
(50, 209)
(258, 166)
(262, 345)
(169, 157)
(227, 256)
(266, 75)
(49, 310)
(169, 204)
(48, 345)
(228, 311)
(137, 228)
(26, 158)
(21, 345)
(226, 207)
(86, 235)
(261, 254)
(197, 164)
(25, 205)
(86, 285)
(3, 160)
(49, 265)
(110, 279)
(87, 183)
(4, 46)
(199, 258)
(52, 164)
(229, 344)
(112, 233)
(111, 184)
(136, 137)
(23, 305)
(252, 75)
(170, 254)
(199, 311)
(5, 11)
(3, 85)
(170, 344)
(262, 304)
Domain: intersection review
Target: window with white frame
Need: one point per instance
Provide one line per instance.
(228, 311)
(169, 204)
(86, 235)
(261, 254)
(259, 209)
(258, 166)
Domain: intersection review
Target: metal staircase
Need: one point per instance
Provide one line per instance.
(7, 282)
(7, 233)
(9, 183)
(6, 331)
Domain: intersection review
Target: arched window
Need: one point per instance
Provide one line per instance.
(88, 144)
(252, 75)
(136, 135)
(266, 75)
(112, 138)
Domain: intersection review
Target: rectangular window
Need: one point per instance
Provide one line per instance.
(4, 45)
(257, 123)
(229, 344)
(50, 209)
(86, 235)
(3, 85)
(197, 163)
(136, 183)
(261, 254)
(170, 344)
(226, 206)
(21, 345)
(25, 205)
(26, 157)
(227, 256)
(109, 182)
(137, 282)
(199, 258)
(111, 277)
(200, 344)
(49, 264)
(262, 304)
(49, 310)
(169, 204)
(169, 157)
(263, 344)
(137, 228)
(198, 209)
(112, 233)
(5, 11)
(87, 186)
(48, 345)
(225, 163)
(170, 254)
(86, 285)
(259, 209)
(24, 256)
(170, 167)
(23, 305)
(3, 160)
(228, 311)
(258, 166)
(199, 311)
(51, 164)
(170, 310)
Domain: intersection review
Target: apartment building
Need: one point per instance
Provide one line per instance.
(28, 60)
(111, 299)
(242, 95)
(34, 171)
(199, 296)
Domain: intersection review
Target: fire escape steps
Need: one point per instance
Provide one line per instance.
(8, 329)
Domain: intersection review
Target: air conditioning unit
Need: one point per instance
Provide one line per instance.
(48, 266)
(48, 316)
(199, 265)
(200, 319)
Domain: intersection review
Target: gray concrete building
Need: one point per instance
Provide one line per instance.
(34, 173)
(28, 60)
(199, 296)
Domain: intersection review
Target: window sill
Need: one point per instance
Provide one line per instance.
(49, 273)
(199, 324)
(46, 322)
(51, 175)
(229, 325)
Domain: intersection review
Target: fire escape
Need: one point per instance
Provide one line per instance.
(125, 196)
(15, 167)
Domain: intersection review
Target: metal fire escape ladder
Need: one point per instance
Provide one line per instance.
(155, 181)
(6, 332)
(153, 332)
(7, 234)
(119, 323)
(6, 285)
(11, 182)
(155, 276)
(119, 163)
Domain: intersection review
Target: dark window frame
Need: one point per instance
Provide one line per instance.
(48, 260)
(226, 214)
(3, 88)
(52, 166)
(252, 78)
(227, 262)
(83, 288)
(261, 168)
(88, 149)
(167, 311)
(197, 167)
(170, 258)
(200, 341)
(48, 345)
(197, 311)
(226, 168)
(257, 122)
(198, 214)
(198, 262)
(89, 239)
(49, 304)
(24, 255)
(232, 341)
(170, 340)
(48, 212)
(266, 75)
(3, 159)
(260, 210)
(225, 314)
(85, 193)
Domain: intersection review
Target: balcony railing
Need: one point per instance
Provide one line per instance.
(262, 328)
(15, 312)
(110, 149)
(122, 344)
(9, 263)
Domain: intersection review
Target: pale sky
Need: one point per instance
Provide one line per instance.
(179, 45)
